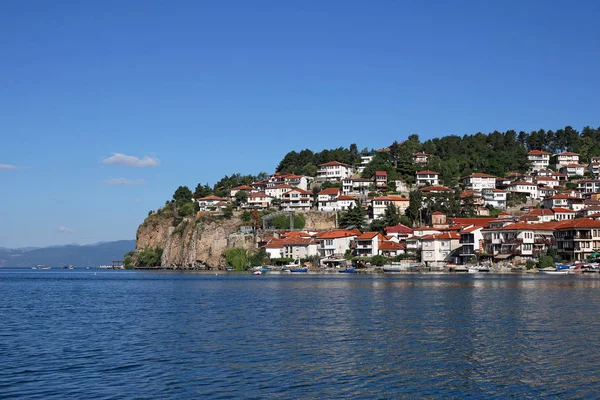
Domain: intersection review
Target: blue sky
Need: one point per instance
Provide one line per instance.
(197, 90)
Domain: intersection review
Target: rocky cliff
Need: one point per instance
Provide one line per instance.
(198, 241)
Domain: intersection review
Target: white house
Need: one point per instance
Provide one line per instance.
(421, 158)
(333, 171)
(367, 244)
(336, 241)
(427, 178)
(289, 179)
(565, 158)
(258, 201)
(327, 199)
(437, 249)
(296, 199)
(530, 189)
(563, 214)
(212, 203)
(364, 161)
(573, 169)
(277, 191)
(381, 179)
(356, 185)
(546, 181)
(345, 202)
(379, 204)
(471, 243)
(298, 248)
(478, 181)
(241, 188)
(594, 168)
(538, 159)
(274, 248)
(494, 197)
(588, 185)
(436, 189)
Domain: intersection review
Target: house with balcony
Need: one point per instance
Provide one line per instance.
(381, 180)
(494, 197)
(259, 186)
(572, 170)
(589, 210)
(333, 171)
(565, 158)
(421, 158)
(258, 201)
(327, 199)
(563, 200)
(520, 239)
(299, 247)
(546, 181)
(277, 191)
(274, 247)
(365, 159)
(437, 250)
(545, 191)
(336, 241)
(588, 185)
(427, 178)
(471, 243)
(297, 200)
(390, 248)
(401, 232)
(367, 244)
(212, 203)
(538, 159)
(594, 168)
(577, 239)
(242, 188)
(478, 181)
(299, 181)
(528, 188)
(563, 214)
(379, 205)
(538, 215)
(356, 186)
(345, 202)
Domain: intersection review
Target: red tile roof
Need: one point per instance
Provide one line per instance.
(368, 236)
(568, 153)
(329, 191)
(215, 198)
(436, 189)
(427, 172)
(538, 152)
(338, 233)
(333, 164)
(473, 221)
(399, 229)
(388, 245)
(442, 236)
(480, 175)
(421, 155)
(564, 210)
(585, 223)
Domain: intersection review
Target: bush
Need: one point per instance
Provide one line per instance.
(186, 210)
(228, 211)
(545, 262)
(246, 217)
(529, 264)
(237, 258)
(378, 260)
(149, 257)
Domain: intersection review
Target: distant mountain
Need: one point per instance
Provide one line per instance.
(80, 256)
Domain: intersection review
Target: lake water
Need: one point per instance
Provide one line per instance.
(125, 334)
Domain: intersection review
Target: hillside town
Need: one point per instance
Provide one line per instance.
(553, 212)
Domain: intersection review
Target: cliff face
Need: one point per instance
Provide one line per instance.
(202, 240)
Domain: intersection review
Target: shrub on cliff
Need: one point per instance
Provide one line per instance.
(149, 257)
(237, 258)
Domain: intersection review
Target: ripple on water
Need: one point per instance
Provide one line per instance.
(152, 335)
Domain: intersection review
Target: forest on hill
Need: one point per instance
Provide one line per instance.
(496, 153)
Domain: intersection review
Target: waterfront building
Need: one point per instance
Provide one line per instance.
(578, 238)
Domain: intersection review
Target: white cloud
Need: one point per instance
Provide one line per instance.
(64, 229)
(8, 167)
(131, 161)
(125, 181)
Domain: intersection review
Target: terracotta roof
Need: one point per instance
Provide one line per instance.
(346, 198)
(391, 198)
(329, 191)
(427, 172)
(472, 221)
(545, 178)
(421, 155)
(576, 165)
(438, 213)
(521, 183)
(282, 186)
(333, 164)
(243, 187)
(561, 197)
(568, 153)
(258, 194)
(389, 245)
(564, 210)
(301, 191)
(381, 173)
(442, 236)
(480, 175)
(471, 229)
(538, 152)
(399, 229)
(215, 198)
(338, 233)
(436, 189)
(541, 211)
(368, 236)
(579, 223)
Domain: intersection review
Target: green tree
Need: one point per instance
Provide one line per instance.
(202, 191)
(237, 258)
(183, 195)
(149, 257)
(354, 216)
(186, 210)
(391, 216)
(545, 262)
(414, 206)
(259, 258)
(241, 198)
(228, 211)
(379, 260)
(377, 225)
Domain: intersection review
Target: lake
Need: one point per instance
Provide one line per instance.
(128, 334)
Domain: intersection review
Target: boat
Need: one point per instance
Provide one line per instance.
(554, 271)
(41, 267)
(257, 272)
(478, 268)
(347, 271)
(303, 269)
